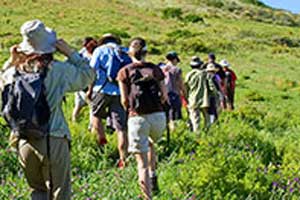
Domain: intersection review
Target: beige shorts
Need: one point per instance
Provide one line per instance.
(145, 128)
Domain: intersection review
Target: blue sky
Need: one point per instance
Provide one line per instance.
(292, 5)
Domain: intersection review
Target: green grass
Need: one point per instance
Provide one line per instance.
(252, 153)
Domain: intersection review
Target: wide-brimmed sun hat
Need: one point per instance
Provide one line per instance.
(211, 68)
(196, 62)
(109, 37)
(172, 55)
(37, 38)
(224, 63)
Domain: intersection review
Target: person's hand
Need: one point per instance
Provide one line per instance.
(63, 47)
(125, 103)
(164, 98)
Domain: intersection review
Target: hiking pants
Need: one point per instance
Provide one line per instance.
(195, 116)
(34, 160)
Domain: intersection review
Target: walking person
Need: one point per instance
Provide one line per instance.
(175, 87)
(143, 92)
(229, 84)
(198, 90)
(221, 75)
(44, 151)
(211, 59)
(107, 60)
(216, 95)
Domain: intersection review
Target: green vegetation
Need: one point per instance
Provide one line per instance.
(252, 153)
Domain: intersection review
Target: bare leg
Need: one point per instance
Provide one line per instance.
(152, 168)
(90, 119)
(98, 128)
(122, 147)
(143, 173)
(172, 125)
(152, 158)
(76, 112)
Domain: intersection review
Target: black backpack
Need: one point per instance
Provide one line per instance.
(144, 92)
(24, 105)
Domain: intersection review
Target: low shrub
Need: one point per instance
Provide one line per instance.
(215, 3)
(255, 96)
(171, 12)
(120, 33)
(180, 33)
(286, 41)
(194, 45)
(193, 18)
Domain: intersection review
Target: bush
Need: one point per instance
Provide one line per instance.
(233, 7)
(120, 33)
(284, 18)
(215, 3)
(180, 33)
(169, 13)
(193, 18)
(280, 50)
(286, 41)
(255, 2)
(255, 96)
(154, 50)
(194, 45)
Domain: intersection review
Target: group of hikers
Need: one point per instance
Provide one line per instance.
(137, 98)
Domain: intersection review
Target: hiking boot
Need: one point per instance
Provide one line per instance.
(154, 183)
(101, 142)
(121, 164)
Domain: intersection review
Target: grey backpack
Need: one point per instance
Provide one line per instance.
(24, 105)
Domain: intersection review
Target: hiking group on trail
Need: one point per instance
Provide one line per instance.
(137, 98)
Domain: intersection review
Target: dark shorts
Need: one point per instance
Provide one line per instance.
(175, 106)
(104, 105)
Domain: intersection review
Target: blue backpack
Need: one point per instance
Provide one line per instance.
(24, 105)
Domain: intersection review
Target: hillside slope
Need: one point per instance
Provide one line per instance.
(251, 154)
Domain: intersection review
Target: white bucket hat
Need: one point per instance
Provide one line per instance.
(224, 63)
(37, 38)
(211, 68)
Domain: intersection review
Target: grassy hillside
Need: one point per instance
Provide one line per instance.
(252, 153)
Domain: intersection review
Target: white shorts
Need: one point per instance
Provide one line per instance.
(145, 128)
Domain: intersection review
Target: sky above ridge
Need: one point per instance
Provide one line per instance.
(291, 5)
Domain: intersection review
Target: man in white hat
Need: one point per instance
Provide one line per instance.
(216, 97)
(46, 161)
(229, 84)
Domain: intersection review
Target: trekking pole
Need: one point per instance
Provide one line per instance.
(168, 132)
(50, 173)
(166, 108)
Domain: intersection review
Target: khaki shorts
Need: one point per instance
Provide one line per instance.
(145, 128)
